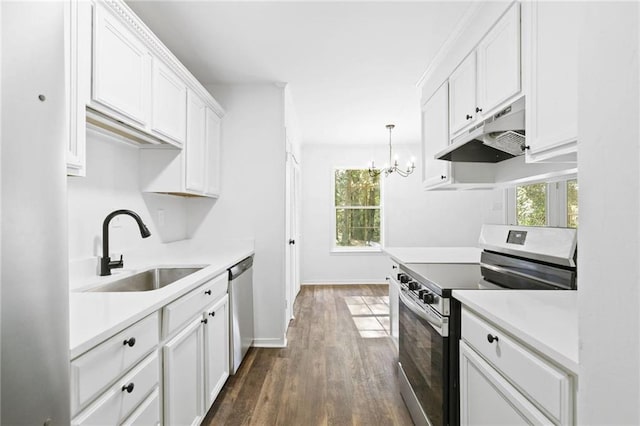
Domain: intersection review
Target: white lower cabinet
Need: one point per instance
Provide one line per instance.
(124, 396)
(504, 382)
(394, 302)
(216, 349)
(155, 372)
(488, 399)
(184, 376)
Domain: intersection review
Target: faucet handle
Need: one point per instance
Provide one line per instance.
(116, 263)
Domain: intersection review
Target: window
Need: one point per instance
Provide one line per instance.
(531, 205)
(544, 204)
(357, 202)
(572, 203)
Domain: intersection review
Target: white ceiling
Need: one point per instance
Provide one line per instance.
(352, 66)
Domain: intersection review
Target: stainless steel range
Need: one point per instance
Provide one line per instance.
(514, 257)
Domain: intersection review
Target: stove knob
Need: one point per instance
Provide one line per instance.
(404, 278)
(428, 298)
(413, 285)
(421, 294)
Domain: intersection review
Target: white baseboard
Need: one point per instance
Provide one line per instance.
(270, 342)
(344, 282)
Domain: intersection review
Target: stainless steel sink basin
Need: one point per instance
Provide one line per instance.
(151, 279)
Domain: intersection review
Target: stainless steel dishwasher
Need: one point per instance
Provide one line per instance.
(241, 301)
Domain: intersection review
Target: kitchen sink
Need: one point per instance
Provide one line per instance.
(151, 279)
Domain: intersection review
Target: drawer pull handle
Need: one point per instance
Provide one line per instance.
(204, 321)
(128, 388)
(213, 314)
(130, 342)
(208, 292)
(491, 338)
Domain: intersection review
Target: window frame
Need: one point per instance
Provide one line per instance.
(556, 208)
(335, 249)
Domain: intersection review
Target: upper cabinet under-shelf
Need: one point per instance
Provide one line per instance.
(134, 89)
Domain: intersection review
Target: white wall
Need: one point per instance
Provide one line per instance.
(35, 302)
(112, 183)
(609, 164)
(412, 217)
(252, 204)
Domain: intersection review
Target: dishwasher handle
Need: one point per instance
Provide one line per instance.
(241, 267)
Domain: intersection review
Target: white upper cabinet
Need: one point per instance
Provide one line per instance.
(435, 138)
(195, 149)
(212, 163)
(169, 113)
(462, 94)
(489, 78)
(499, 62)
(551, 38)
(121, 68)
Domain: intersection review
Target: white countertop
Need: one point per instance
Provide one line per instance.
(434, 254)
(95, 317)
(545, 320)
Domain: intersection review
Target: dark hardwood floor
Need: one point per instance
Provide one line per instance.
(339, 367)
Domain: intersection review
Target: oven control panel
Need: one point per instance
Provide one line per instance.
(423, 294)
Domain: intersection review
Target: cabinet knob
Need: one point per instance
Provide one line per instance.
(208, 292)
(130, 342)
(443, 177)
(491, 338)
(213, 314)
(394, 266)
(128, 388)
(292, 242)
(469, 117)
(527, 147)
(204, 321)
(478, 109)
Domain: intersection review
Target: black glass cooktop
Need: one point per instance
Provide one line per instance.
(444, 277)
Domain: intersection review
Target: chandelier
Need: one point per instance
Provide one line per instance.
(391, 167)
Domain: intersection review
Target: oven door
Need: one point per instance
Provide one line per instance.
(424, 359)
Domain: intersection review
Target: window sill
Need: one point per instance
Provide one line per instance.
(356, 250)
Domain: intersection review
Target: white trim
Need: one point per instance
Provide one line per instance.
(345, 282)
(270, 342)
(356, 250)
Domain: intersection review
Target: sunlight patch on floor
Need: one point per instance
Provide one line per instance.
(370, 314)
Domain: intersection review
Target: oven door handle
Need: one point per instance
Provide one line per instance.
(439, 324)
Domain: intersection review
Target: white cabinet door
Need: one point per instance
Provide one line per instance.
(212, 162)
(462, 94)
(499, 62)
(216, 349)
(486, 398)
(435, 138)
(78, 81)
(195, 147)
(551, 34)
(169, 103)
(121, 68)
(183, 376)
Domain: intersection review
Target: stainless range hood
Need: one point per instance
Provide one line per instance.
(499, 137)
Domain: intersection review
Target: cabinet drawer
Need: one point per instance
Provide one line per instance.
(148, 413)
(194, 303)
(548, 387)
(96, 369)
(115, 404)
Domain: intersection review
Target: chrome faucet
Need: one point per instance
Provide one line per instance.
(106, 264)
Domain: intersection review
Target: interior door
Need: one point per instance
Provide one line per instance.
(292, 216)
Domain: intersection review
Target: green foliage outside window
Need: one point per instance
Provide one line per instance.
(357, 205)
(531, 204)
(572, 203)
